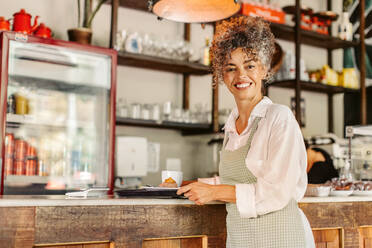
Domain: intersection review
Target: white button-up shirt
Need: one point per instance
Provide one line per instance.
(277, 158)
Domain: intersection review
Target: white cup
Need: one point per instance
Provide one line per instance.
(175, 175)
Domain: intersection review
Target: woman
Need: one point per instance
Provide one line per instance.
(320, 167)
(263, 159)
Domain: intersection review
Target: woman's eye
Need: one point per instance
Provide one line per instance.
(230, 69)
(250, 66)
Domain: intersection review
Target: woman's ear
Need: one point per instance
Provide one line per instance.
(268, 75)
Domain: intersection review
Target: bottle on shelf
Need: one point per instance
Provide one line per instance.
(11, 104)
(204, 55)
(345, 29)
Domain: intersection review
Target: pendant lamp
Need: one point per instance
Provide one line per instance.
(194, 11)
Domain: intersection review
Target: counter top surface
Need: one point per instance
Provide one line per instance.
(61, 200)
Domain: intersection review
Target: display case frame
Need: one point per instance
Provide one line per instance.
(5, 38)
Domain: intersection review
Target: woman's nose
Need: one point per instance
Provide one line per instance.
(243, 77)
(243, 74)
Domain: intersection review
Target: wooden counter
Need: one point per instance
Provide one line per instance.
(26, 221)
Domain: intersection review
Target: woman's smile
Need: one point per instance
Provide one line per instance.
(243, 85)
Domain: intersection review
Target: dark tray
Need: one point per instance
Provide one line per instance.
(153, 193)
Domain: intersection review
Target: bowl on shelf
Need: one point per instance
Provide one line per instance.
(317, 190)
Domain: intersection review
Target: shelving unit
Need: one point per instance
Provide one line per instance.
(300, 36)
(281, 31)
(161, 64)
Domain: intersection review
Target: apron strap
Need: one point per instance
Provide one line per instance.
(225, 139)
(252, 132)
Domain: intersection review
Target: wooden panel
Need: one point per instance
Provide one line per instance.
(329, 238)
(367, 243)
(201, 242)
(163, 243)
(17, 227)
(327, 235)
(321, 245)
(128, 225)
(365, 236)
(177, 242)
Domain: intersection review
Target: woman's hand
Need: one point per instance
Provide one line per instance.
(200, 193)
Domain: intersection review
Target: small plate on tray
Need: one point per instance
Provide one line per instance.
(362, 192)
(341, 192)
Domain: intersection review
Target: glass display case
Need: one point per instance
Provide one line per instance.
(57, 123)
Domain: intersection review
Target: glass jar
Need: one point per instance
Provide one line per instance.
(167, 111)
(21, 105)
(145, 112)
(135, 110)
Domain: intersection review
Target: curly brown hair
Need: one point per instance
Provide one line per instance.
(253, 34)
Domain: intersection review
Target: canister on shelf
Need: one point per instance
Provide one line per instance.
(9, 145)
(19, 167)
(20, 149)
(21, 104)
(31, 152)
(30, 167)
(8, 166)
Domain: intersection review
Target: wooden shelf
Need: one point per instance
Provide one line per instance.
(186, 128)
(311, 86)
(286, 32)
(161, 64)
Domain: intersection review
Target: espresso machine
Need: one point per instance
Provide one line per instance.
(359, 152)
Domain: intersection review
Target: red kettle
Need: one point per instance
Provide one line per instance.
(22, 22)
(4, 24)
(43, 31)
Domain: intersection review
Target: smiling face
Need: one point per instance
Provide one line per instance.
(243, 75)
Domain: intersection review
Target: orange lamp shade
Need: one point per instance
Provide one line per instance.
(194, 11)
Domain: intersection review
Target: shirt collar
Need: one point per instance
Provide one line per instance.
(258, 111)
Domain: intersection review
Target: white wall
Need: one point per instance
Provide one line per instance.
(147, 86)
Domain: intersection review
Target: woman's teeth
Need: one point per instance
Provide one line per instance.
(244, 85)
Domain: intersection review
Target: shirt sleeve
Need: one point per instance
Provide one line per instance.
(278, 176)
(210, 180)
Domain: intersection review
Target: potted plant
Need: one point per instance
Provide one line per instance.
(83, 33)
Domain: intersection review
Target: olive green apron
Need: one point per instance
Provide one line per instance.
(279, 229)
